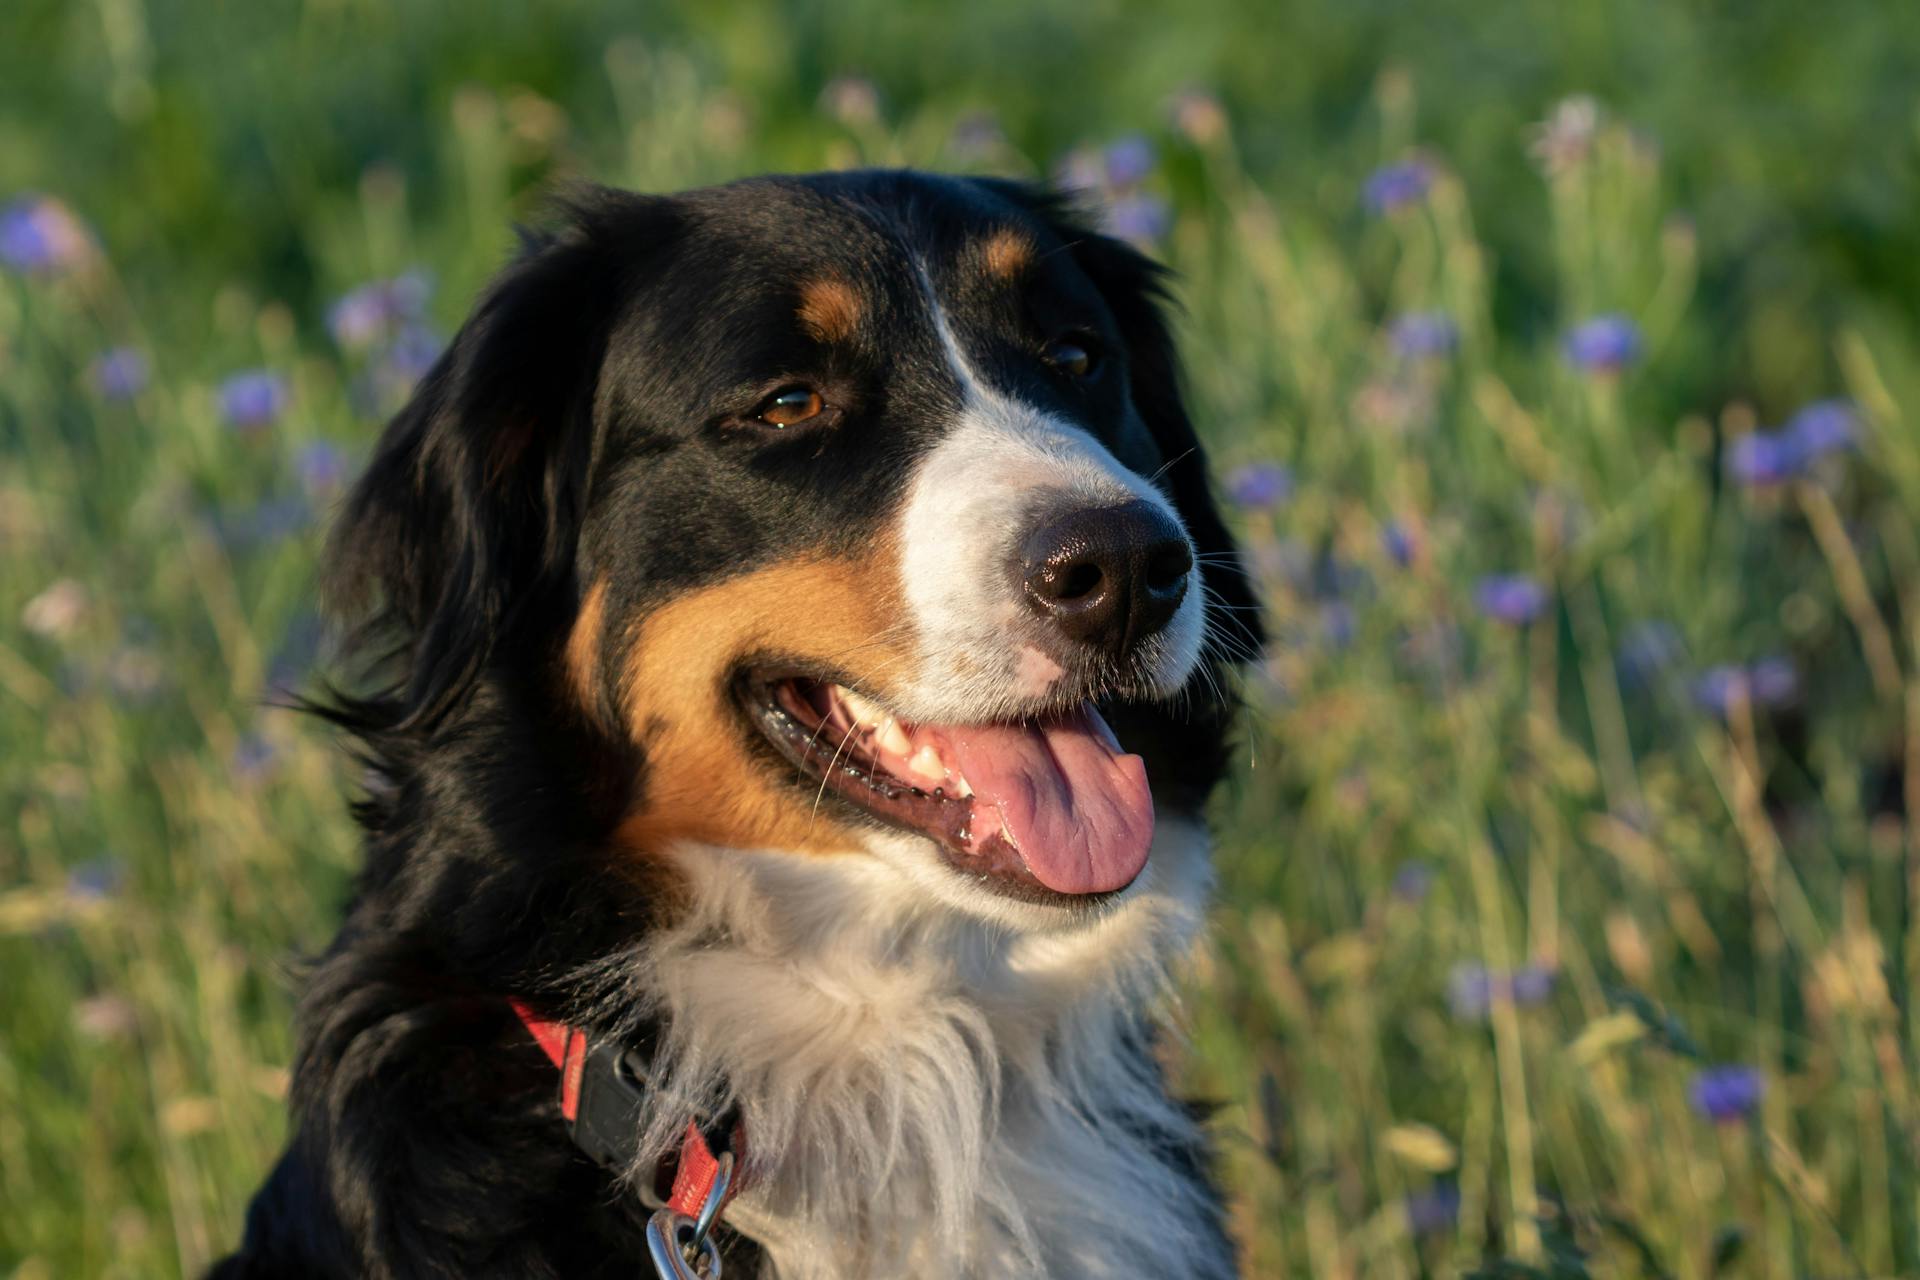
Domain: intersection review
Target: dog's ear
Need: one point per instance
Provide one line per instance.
(459, 537)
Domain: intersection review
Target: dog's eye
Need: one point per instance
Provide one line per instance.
(1072, 355)
(791, 406)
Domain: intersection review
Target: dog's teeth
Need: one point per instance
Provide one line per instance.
(890, 737)
(927, 765)
(858, 708)
(957, 784)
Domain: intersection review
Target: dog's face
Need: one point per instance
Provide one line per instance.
(851, 508)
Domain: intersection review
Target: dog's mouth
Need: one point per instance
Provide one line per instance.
(1044, 809)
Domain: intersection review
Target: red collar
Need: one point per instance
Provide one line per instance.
(602, 1092)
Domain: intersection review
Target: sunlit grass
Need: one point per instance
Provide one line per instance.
(1583, 760)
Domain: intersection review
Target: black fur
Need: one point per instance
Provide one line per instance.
(577, 429)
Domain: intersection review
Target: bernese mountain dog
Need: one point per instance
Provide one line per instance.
(793, 642)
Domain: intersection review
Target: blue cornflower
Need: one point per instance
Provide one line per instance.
(1397, 186)
(1770, 682)
(1423, 335)
(252, 400)
(1763, 458)
(1512, 598)
(97, 879)
(1399, 543)
(1530, 985)
(1433, 1209)
(1412, 881)
(1260, 486)
(1128, 161)
(1823, 427)
(1472, 988)
(119, 374)
(39, 234)
(1143, 219)
(1337, 623)
(1470, 991)
(1648, 649)
(253, 758)
(1604, 344)
(364, 316)
(977, 136)
(321, 466)
(1727, 1093)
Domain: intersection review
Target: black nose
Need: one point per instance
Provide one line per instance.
(1108, 577)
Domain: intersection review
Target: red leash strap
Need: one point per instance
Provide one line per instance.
(694, 1167)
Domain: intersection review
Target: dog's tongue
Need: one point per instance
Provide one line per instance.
(1077, 809)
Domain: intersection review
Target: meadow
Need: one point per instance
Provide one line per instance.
(1561, 368)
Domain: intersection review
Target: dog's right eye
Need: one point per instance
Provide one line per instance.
(791, 407)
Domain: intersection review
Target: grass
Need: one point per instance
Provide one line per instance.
(1494, 893)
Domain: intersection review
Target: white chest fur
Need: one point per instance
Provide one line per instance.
(927, 1092)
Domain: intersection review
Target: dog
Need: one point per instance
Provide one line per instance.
(794, 643)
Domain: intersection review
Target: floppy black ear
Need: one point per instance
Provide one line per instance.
(458, 541)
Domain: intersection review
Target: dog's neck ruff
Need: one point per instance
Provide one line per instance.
(928, 1093)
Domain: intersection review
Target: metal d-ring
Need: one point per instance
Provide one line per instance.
(716, 1198)
(670, 1236)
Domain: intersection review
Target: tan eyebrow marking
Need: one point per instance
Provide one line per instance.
(1007, 253)
(830, 309)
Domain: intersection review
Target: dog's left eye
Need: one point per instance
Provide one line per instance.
(1071, 355)
(790, 407)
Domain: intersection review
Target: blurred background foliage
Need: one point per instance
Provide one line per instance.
(1560, 362)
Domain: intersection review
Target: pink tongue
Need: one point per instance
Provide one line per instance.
(1078, 810)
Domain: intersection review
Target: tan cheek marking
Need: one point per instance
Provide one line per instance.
(1007, 253)
(583, 646)
(700, 783)
(830, 310)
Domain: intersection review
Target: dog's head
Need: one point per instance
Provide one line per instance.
(852, 515)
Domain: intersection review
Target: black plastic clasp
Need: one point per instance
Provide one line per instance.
(613, 1094)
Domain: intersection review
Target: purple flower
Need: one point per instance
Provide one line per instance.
(1423, 335)
(96, 879)
(1512, 598)
(977, 136)
(1260, 486)
(1472, 988)
(1397, 186)
(1770, 682)
(1143, 219)
(1337, 623)
(365, 315)
(1773, 682)
(1433, 1209)
(1727, 1093)
(1530, 985)
(1763, 458)
(1127, 162)
(253, 759)
(1412, 881)
(1604, 344)
(40, 235)
(1399, 543)
(1647, 650)
(1824, 427)
(253, 400)
(119, 374)
(321, 466)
